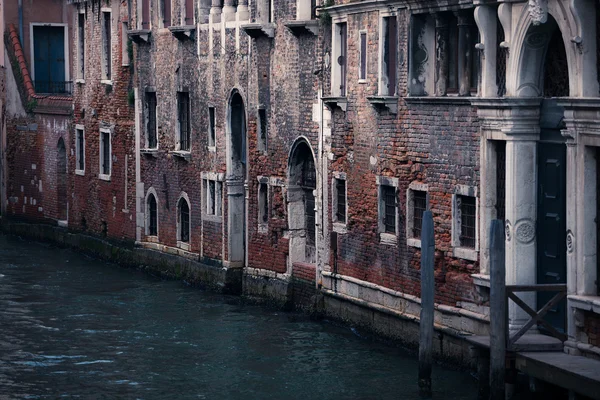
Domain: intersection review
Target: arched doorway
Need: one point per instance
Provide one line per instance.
(61, 181)
(302, 181)
(236, 179)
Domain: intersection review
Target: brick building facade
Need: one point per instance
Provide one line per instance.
(299, 144)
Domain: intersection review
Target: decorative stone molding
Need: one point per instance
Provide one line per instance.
(509, 116)
(525, 231)
(538, 10)
(582, 117)
(508, 231)
(570, 242)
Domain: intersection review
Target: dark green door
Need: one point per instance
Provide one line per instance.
(49, 58)
(552, 226)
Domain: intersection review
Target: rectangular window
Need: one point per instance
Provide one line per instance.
(80, 149)
(500, 179)
(389, 56)
(263, 126)
(189, 12)
(263, 203)
(125, 43)
(105, 154)
(145, 14)
(362, 71)
(339, 60)
(81, 44)
(467, 221)
(340, 194)
(388, 194)
(213, 190)
(106, 45)
(166, 12)
(151, 132)
(183, 115)
(211, 127)
(419, 207)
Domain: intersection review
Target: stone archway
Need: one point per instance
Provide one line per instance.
(61, 181)
(302, 182)
(236, 180)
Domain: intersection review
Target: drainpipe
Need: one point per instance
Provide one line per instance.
(21, 22)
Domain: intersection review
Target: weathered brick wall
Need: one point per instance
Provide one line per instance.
(99, 206)
(592, 327)
(432, 142)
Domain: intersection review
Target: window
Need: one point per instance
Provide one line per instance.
(388, 209)
(417, 202)
(183, 116)
(81, 45)
(387, 84)
(467, 221)
(165, 12)
(145, 14)
(106, 45)
(263, 126)
(263, 203)
(105, 154)
(419, 207)
(501, 180)
(125, 43)
(184, 221)
(362, 70)
(189, 12)
(214, 192)
(212, 139)
(339, 203)
(388, 194)
(79, 150)
(50, 59)
(151, 129)
(152, 216)
(339, 60)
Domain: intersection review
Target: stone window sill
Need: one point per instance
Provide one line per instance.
(465, 253)
(256, 30)
(363, 81)
(212, 218)
(388, 239)
(183, 32)
(80, 172)
(184, 155)
(80, 81)
(585, 303)
(336, 101)
(104, 177)
(183, 245)
(139, 35)
(481, 280)
(106, 82)
(413, 242)
(383, 102)
(212, 149)
(298, 28)
(263, 228)
(152, 239)
(149, 152)
(340, 227)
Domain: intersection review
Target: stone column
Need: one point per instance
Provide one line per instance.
(242, 10)
(466, 47)
(229, 10)
(204, 11)
(215, 12)
(485, 17)
(441, 55)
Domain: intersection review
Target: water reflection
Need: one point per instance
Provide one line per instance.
(75, 327)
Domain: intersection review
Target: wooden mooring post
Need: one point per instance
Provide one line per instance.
(498, 319)
(427, 292)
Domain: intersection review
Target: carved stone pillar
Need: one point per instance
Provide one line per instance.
(466, 49)
(485, 17)
(229, 10)
(441, 55)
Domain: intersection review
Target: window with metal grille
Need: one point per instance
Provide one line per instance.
(501, 59)
(105, 153)
(340, 212)
(183, 115)
(106, 44)
(151, 120)
(500, 180)
(467, 221)
(362, 72)
(263, 204)
(152, 216)
(388, 195)
(211, 126)
(184, 221)
(262, 137)
(80, 155)
(419, 207)
(81, 44)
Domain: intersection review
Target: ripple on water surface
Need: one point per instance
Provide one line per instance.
(71, 326)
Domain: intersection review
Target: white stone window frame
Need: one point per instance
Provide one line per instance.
(471, 254)
(338, 226)
(263, 226)
(67, 48)
(78, 156)
(362, 79)
(183, 245)
(105, 79)
(151, 238)
(387, 238)
(410, 211)
(218, 179)
(101, 176)
(80, 78)
(178, 123)
(336, 73)
(381, 82)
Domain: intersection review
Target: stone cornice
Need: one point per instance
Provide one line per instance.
(510, 116)
(582, 117)
(416, 6)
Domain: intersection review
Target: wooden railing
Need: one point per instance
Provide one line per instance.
(537, 317)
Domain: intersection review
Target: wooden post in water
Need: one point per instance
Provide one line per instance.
(498, 321)
(427, 291)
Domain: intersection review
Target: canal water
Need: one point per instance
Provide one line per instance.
(75, 327)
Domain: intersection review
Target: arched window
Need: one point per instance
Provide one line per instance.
(152, 216)
(184, 220)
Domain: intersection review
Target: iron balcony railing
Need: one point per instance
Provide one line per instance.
(50, 87)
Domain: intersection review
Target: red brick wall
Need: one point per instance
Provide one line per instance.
(592, 327)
